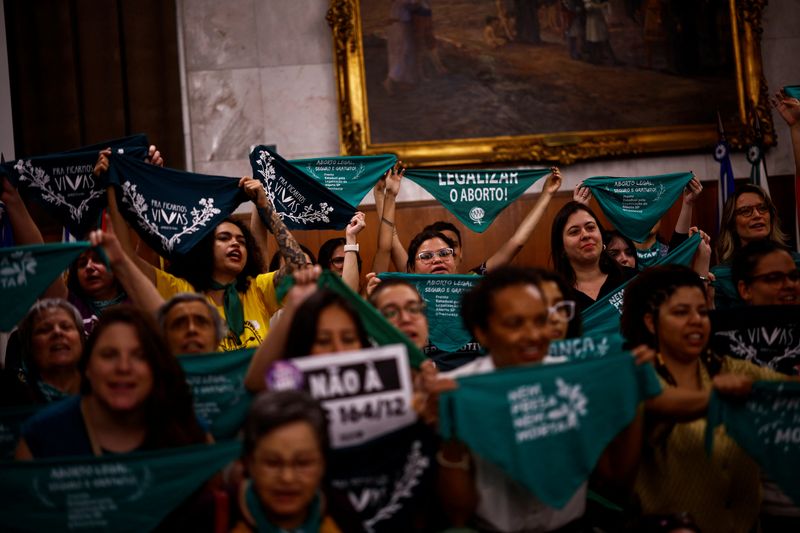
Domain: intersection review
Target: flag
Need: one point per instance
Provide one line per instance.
(755, 155)
(726, 184)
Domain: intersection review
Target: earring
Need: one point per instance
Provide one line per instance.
(604, 247)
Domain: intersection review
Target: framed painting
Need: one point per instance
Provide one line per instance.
(470, 82)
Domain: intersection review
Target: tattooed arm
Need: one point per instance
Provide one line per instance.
(287, 245)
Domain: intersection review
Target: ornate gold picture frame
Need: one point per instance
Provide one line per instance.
(479, 48)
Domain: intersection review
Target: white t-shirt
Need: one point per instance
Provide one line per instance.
(503, 503)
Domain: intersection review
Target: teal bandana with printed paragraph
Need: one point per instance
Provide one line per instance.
(27, 271)
(635, 204)
(172, 210)
(476, 197)
(217, 381)
(442, 295)
(792, 91)
(378, 328)
(351, 178)
(64, 183)
(547, 425)
(767, 426)
(587, 347)
(300, 200)
(119, 492)
(602, 317)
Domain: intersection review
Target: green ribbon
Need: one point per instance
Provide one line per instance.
(602, 317)
(635, 204)
(442, 295)
(546, 425)
(128, 492)
(766, 426)
(217, 381)
(476, 197)
(378, 328)
(232, 304)
(350, 178)
(792, 91)
(11, 419)
(27, 271)
(311, 525)
(587, 347)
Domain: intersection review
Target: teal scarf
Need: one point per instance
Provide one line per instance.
(766, 426)
(350, 178)
(232, 304)
(792, 91)
(99, 306)
(217, 382)
(27, 271)
(602, 317)
(311, 525)
(120, 492)
(635, 204)
(588, 347)
(547, 425)
(442, 295)
(476, 197)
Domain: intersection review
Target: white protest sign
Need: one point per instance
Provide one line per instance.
(366, 393)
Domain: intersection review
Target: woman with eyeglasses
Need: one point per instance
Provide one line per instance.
(284, 453)
(400, 303)
(562, 320)
(748, 216)
(431, 252)
(765, 273)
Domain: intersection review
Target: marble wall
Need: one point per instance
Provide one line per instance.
(261, 71)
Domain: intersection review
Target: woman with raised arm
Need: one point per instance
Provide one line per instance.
(226, 267)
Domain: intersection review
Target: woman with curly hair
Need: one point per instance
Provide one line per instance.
(665, 308)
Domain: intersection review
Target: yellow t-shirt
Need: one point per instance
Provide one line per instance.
(722, 492)
(259, 303)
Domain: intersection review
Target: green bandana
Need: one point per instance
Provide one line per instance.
(99, 306)
(27, 271)
(300, 201)
(581, 348)
(232, 304)
(129, 492)
(170, 209)
(765, 335)
(602, 317)
(50, 393)
(378, 328)
(634, 205)
(11, 419)
(351, 178)
(546, 425)
(217, 382)
(442, 295)
(311, 525)
(792, 91)
(767, 426)
(650, 256)
(64, 183)
(476, 197)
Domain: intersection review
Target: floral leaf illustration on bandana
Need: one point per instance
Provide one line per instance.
(300, 201)
(14, 269)
(200, 217)
(170, 209)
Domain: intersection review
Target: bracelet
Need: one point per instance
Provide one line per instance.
(461, 464)
(386, 221)
(351, 248)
